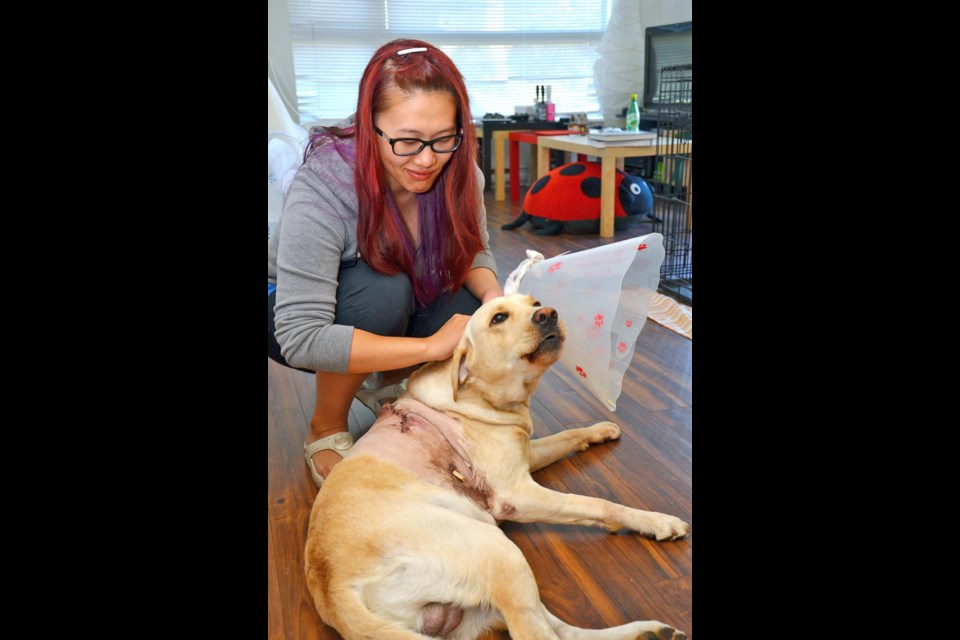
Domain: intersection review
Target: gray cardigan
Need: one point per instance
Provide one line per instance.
(318, 229)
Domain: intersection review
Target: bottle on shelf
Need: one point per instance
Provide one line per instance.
(633, 115)
(551, 110)
(541, 113)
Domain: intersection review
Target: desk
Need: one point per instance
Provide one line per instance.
(611, 158)
(489, 126)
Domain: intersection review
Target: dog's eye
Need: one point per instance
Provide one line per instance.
(500, 317)
(537, 304)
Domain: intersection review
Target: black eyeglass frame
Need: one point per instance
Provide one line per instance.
(423, 143)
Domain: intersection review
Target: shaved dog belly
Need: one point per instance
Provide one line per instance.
(422, 442)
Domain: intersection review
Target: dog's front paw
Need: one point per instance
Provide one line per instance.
(663, 527)
(662, 633)
(603, 431)
(652, 630)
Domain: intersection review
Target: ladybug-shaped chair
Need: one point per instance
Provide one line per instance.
(568, 199)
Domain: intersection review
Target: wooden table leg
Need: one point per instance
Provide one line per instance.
(608, 181)
(499, 175)
(543, 162)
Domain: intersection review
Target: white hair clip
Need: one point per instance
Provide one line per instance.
(404, 52)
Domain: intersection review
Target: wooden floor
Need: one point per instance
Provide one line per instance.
(587, 577)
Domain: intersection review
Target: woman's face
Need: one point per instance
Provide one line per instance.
(418, 115)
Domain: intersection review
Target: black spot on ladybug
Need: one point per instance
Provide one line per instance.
(540, 184)
(573, 169)
(590, 187)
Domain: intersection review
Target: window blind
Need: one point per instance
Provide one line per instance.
(503, 48)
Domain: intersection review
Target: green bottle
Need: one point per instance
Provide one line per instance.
(633, 115)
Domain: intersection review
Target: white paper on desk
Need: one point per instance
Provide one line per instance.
(602, 295)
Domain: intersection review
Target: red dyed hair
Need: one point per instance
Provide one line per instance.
(450, 234)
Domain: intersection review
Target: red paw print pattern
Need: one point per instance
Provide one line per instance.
(554, 266)
(629, 323)
(622, 347)
(583, 374)
(642, 247)
(598, 321)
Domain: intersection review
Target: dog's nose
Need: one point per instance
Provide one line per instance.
(545, 315)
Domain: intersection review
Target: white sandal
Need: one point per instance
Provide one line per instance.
(375, 399)
(339, 442)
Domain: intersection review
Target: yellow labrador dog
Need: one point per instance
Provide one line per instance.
(403, 541)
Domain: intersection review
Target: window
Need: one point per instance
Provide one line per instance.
(504, 48)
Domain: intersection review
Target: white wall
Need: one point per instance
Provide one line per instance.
(280, 54)
(654, 13)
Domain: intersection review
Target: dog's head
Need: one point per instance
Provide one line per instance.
(507, 345)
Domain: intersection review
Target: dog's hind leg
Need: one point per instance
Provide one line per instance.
(640, 630)
(511, 589)
(464, 564)
(546, 451)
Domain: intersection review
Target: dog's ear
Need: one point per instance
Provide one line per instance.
(458, 364)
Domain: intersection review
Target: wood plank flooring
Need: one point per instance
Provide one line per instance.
(587, 577)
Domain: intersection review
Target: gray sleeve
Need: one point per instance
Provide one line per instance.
(313, 236)
(485, 257)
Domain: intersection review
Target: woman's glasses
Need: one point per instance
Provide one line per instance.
(413, 146)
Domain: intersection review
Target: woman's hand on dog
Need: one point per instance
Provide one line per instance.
(446, 339)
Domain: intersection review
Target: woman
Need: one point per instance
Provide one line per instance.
(381, 253)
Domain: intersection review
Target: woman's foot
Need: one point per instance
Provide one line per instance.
(330, 419)
(325, 459)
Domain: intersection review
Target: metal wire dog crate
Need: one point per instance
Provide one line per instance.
(672, 193)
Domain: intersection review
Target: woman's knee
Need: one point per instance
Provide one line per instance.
(273, 348)
(374, 302)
